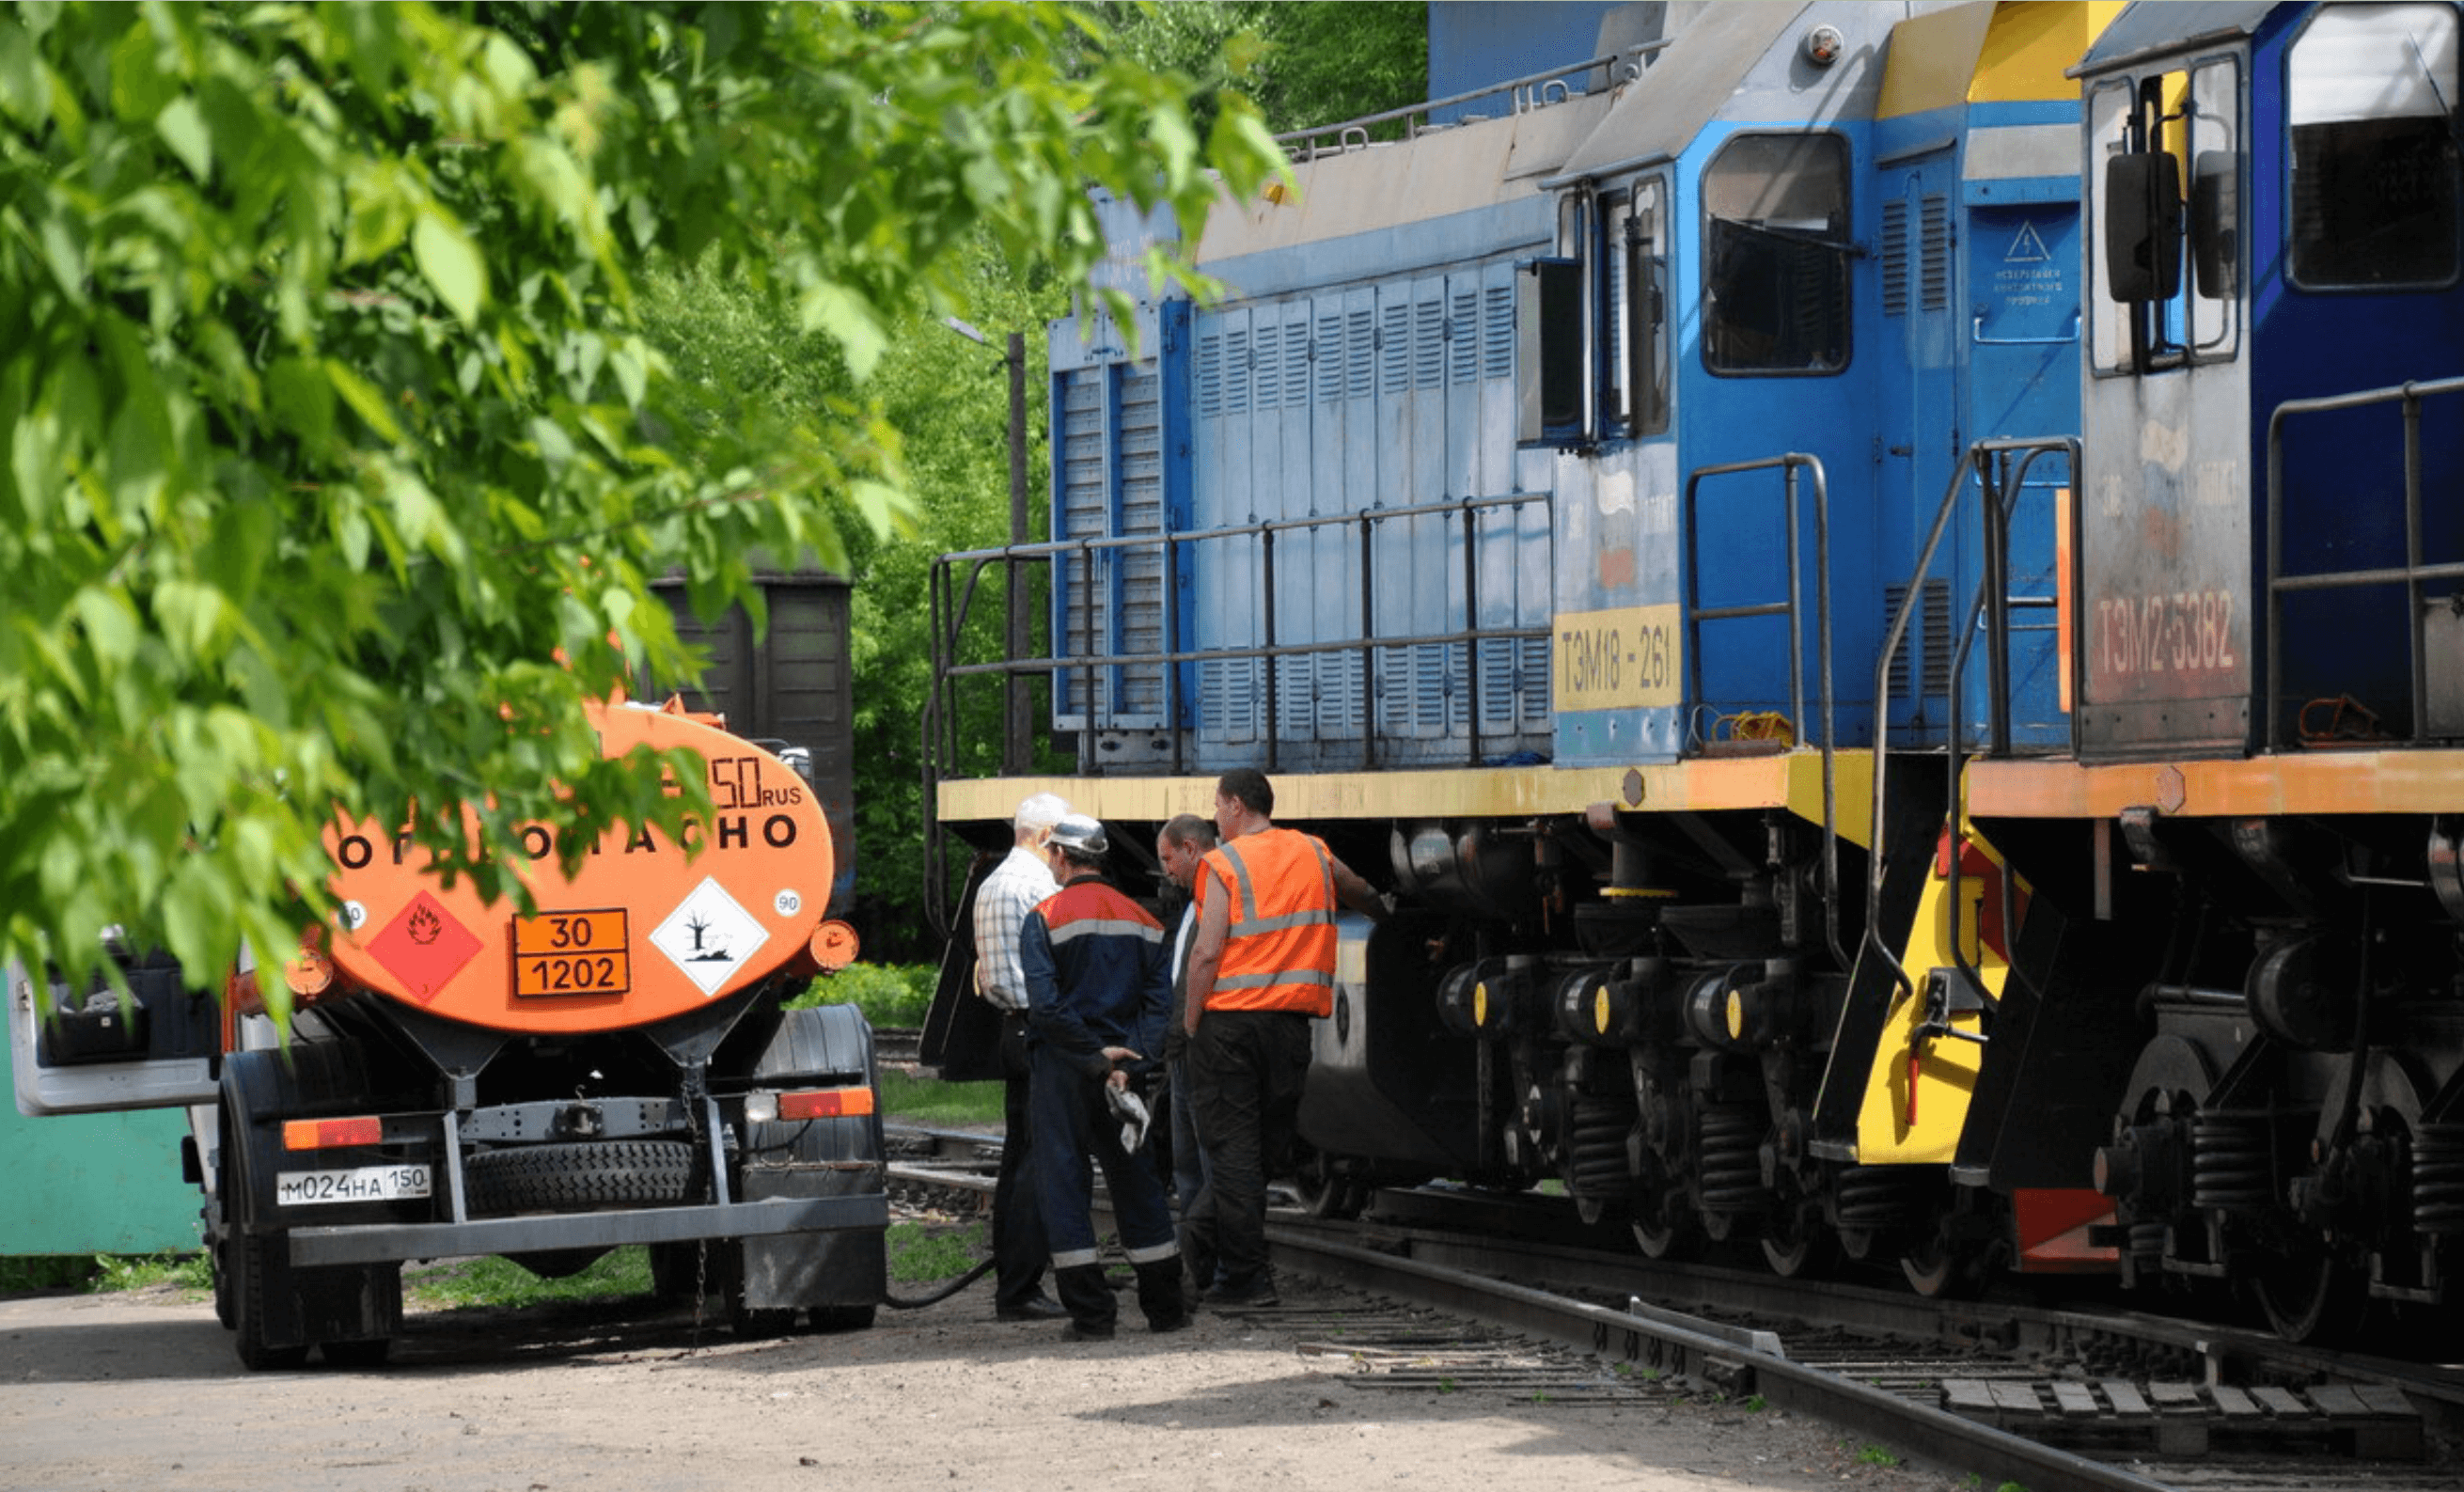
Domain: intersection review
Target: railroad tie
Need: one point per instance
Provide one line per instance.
(2370, 1423)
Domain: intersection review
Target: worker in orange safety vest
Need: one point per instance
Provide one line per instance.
(1262, 966)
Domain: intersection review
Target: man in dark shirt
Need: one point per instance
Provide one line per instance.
(1097, 991)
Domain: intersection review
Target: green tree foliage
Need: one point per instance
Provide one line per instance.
(1302, 65)
(336, 460)
(943, 405)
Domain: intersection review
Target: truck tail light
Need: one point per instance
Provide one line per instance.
(299, 1134)
(837, 1102)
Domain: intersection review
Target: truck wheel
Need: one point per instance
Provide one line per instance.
(225, 1310)
(251, 1279)
(370, 1354)
(753, 1325)
(575, 1177)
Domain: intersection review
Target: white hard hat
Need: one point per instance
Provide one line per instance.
(1081, 834)
(1042, 811)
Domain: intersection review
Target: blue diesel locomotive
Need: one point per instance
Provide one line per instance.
(1869, 576)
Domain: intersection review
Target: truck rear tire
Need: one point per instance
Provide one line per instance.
(578, 1176)
(253, 1276)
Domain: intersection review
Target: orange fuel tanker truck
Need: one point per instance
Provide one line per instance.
(614, 1069)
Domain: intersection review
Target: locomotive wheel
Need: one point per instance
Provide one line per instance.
(1664, 1226)
(1667, 1239)
(1940, 1270)
(1323, 1193)
(1794, 1245)
(2310, 1298)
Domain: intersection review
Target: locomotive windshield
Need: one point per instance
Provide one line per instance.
(2373, 98)
(1776, 255)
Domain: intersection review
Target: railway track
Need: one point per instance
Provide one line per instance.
(2007, 1390)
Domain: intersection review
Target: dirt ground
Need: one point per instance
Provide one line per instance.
(141, 1390)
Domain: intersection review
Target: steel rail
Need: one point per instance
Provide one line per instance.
(1682, 1345)
(1947, 1439)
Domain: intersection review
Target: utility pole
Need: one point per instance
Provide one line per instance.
(1015, 755)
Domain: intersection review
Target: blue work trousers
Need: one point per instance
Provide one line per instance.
(1075, 1132)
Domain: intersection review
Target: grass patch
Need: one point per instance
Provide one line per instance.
(924, 1254)
(46, 1272)
(138, 1271)
(465, 1283)
(930, 1101)
(101, 1274)
(888, 995)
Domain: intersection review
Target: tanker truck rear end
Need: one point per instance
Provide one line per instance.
(617, 1069)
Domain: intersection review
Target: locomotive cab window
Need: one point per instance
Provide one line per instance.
(2372, 107)
(2167, 200)
(1775, 255)
(1635, 253)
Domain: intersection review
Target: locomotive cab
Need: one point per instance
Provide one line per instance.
(2249, 957)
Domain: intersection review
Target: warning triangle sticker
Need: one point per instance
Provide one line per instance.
(2028, 247)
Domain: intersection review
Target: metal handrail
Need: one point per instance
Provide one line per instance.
(952, 600)
(1524, 94)
(1790, 465)
(1992, 588)
(1999, 484)
(2412, 573)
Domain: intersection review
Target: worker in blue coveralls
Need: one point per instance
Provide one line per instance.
(1098, 992)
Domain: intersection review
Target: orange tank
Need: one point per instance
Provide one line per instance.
(642, 932)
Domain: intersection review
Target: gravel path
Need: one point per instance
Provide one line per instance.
(141, 1390)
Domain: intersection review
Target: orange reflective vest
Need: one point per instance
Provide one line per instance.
(1279, 944)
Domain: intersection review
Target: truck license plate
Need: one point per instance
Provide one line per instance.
(359, 1184)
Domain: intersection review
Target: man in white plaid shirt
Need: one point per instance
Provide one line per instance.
(1015, 887)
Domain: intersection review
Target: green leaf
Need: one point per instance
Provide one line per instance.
(25, 82)
(450, 261)
(847, 320)
(189, 614)
(555, 446)
(363, 399)
(110, 623)
(183, 128)
(302, 399)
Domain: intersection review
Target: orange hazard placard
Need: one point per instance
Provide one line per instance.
(572, 953)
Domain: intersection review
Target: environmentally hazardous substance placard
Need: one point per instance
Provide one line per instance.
(709, 936)
(559, 954)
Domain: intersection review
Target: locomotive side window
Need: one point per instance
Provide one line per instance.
(2372, 108)
(1548, 352)
(1775, 255)
(2210, 140)
(1636, 250)
(2165, 190)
